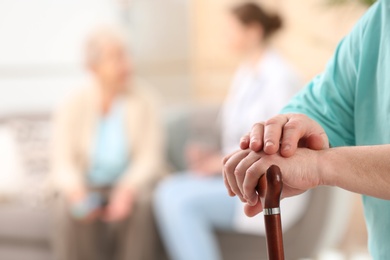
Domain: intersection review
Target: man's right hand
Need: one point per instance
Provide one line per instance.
(285, 133)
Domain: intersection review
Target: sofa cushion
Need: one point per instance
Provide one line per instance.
(10, 167)
(190, 124)
(20, 223)
(24, 252)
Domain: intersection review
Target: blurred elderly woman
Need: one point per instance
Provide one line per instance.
(107, 155)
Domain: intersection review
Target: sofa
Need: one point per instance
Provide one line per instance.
(25, 212)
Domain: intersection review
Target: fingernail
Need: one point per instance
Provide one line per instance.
(287, 147)
(269, 143)
(253, 140)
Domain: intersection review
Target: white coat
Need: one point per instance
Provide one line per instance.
(258, 93)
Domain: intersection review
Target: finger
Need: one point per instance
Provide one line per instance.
(242, 168)
(245, 141)
(224, 160)
(251, 180)
(293, 131)
(300, 129)
(227, 157)
(225, 181)
(252, 211)
(256, 137)
(230, 167)
(273, 133)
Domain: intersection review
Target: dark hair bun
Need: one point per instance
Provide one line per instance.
(251, 13)
(274, 23)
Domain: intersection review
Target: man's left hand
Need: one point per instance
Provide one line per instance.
(243, 169)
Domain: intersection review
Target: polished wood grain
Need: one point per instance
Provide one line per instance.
(270, 189)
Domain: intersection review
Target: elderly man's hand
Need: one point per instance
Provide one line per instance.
(285, 133)
(243, 169)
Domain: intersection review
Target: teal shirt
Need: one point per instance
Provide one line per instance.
(110, 157)
(351, 100)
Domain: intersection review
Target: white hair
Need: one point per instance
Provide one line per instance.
(101, 36)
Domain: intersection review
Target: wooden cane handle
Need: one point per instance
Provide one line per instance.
(270, 189)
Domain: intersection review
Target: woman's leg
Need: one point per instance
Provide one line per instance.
(188, 210)
(136, 237)
(73, 240)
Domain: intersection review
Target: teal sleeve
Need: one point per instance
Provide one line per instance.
(329, 98)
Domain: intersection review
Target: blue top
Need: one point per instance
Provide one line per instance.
(351, 100)
(110, 157)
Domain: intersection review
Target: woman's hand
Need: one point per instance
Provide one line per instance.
(120, 205)
(83, 205)
(203, 161)
(243, 169)
(285, 133)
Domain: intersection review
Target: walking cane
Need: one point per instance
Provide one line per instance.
(270, 188)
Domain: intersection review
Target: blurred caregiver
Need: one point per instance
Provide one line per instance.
(107, 155)
(349, 105)
(190, 206)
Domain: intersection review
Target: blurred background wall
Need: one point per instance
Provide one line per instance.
(177, 44)
(40, 49)
(311, 32)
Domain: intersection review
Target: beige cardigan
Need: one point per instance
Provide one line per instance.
(74, 131)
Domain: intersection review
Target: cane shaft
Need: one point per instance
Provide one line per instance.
(273, 229)
(270, 189)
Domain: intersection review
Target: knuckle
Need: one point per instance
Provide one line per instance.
(229, 168)
(238, 172)
(292, 125)
(272, 121)
(252, 171)
(258, 125)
